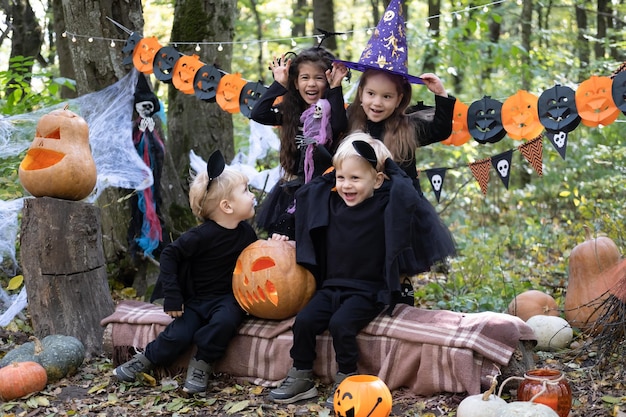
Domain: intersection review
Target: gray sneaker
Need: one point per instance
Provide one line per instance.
(197, 376)
(128, 371)
(338, 380)
(297, 386)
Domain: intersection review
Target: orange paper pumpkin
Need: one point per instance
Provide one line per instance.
(143, 54)
(460, 133)
(59, 162)
(228, 91)
(594, 101)
(362, 396)
(268, 283)
(184, 73)
(519, 116)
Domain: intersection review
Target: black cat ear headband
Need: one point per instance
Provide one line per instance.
(215, 166)
(366, 151)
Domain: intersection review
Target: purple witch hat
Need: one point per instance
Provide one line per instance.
(387, 48)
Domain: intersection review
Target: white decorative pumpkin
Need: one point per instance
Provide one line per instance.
(551, 332)
(525, 409)
(478, 406)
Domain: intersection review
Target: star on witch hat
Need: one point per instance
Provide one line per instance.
(387, 48)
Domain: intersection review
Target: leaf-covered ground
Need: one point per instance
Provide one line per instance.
(93, 391)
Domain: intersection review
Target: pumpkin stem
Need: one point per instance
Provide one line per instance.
(587, 232)
(67, 106)
(492, 388)
(38, 345)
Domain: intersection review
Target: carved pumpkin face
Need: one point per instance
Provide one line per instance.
(594, 101)
(205, 82)
(557, 109)
(362, 396)
(184, 73)
(460, 133)
(268, 283)
(250, 94)
(519, 116)
(618, 91)
(228, 91)
(59, 162)
(129, 48)
(484, 120)
(143, 55)
(164, 61)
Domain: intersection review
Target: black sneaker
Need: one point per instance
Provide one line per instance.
(128, 371)
(297, 386)
(338, 380)
(197, 376)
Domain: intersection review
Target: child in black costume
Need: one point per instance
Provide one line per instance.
(301, 82)
(356, 241)
(196, 278)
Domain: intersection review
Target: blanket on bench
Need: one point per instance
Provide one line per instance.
(427, 351)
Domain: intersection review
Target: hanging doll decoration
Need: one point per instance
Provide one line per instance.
(146, 230)
(316, 131)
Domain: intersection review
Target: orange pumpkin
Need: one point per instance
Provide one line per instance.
(268, 283)
(520, 117)
(184, 73)
(59, 162)
(362, 396)
(21, 378)
(143, 54)
(590, 280)
(533, 303)
(594, 101)
(228, 91)
(460, 132)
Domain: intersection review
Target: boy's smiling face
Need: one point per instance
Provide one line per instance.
(356, 180)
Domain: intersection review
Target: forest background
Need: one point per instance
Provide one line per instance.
(509, 240)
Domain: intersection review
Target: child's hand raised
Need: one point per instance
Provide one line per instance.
(336, 75)
(434, 84)
(280, 70)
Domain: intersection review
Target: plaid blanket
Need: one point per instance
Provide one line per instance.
(427, 351)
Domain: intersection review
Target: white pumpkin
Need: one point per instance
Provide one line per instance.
(551, 332)
(525, 409)
(478, 406)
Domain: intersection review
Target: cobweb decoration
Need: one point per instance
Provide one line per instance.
(9, 211)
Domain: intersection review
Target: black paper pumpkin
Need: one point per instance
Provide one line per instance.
(250, 94)
(484, 120)
(618, 90)
(129, 48)
(206, 81)
(557, 109)
(164, 62)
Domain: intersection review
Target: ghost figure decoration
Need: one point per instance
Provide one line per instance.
(59, 162)
(206, 81)
(144, 53)
(484, 120)
(268, 283)
(556, 108)
(362, 396)
(594, 101)
(184, 73)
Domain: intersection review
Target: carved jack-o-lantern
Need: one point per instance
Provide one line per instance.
(484, 120)
(144, 53)
(268, 283)
(362, 396)
(519, 116)
(460, 133)
(557, 109)
(184, 73)
(205, 82)
(228, 91)
(594, 101)
(59, 162)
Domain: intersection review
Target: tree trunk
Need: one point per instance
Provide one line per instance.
(64, 269)
(526, 30)
(62, 48)
(582, 43)
(27, 38)
(324, 18)
(298, 19)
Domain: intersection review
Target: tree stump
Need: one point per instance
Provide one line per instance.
(64, 269)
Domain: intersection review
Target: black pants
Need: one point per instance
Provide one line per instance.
(209, 324)
(344, 313)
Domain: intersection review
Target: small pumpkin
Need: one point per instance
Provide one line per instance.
(551, 332)
(590, 279)
(268, 283)
(59, 355)
(531, 303)
(21, 378)
(59, 162)
(481, 405)
(525, 409)
(362, 396)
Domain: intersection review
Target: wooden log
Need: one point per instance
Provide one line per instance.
(64, 269)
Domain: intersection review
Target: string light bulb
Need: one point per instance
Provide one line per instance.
(293, 42)
(220, 47)
(112, 43)
(90, 40)
(245, 46)
(197, 47)
(64, 34)
(74, 39)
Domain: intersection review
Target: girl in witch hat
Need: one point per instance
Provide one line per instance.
(380, 108)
